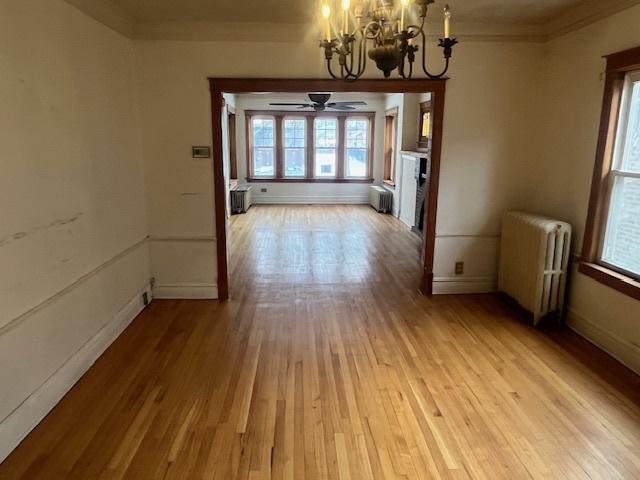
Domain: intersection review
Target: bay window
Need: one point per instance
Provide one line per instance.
(309, 146)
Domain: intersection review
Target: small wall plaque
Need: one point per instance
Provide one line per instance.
(201, 152)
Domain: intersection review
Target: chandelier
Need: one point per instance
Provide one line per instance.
(378, 31)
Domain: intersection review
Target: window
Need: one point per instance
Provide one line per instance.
(294, 147)
(326, 146)
(356, 147)
(611, 248)
(389, 166)
(621, 245)
(263, 147)
(309, 146)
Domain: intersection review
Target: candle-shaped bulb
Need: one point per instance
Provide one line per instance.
(326, 11)
(404, 4)
(345, 16)
(447, 22)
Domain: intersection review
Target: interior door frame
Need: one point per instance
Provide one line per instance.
(218, 86)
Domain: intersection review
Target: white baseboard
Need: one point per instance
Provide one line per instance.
(462, 286)
(311, 199)
(625, 352)
(36, 406)
(185, 290)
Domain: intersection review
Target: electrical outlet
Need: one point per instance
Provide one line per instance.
(263, 190)
(459, 268)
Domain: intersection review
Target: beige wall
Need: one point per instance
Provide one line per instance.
(73, 255)
(573, 87)
(483, 169)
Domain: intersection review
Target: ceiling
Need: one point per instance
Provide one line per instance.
(301, 11)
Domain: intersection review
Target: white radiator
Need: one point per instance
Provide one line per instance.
(380, 199)
(534, 256)
(240, 199)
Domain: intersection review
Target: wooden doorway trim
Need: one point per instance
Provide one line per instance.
(218, 86)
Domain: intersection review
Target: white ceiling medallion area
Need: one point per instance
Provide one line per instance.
(284, 20)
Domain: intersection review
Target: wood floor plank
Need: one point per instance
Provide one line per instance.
(327, 364)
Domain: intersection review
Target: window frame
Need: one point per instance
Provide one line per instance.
(389, 148)
(346, 148)
(310, 176)
(294, 116)
(619, 65)
(339, 133)
(251, 148)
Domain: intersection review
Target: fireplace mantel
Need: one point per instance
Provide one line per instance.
(415, 154)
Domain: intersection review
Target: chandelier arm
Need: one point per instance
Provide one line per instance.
(406, 77)
(424, 61)
(363, 56)
(331, 70)
(401, 67)
(349, 68)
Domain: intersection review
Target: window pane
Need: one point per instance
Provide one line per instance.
(263, 162)
(326, 132)
(357, 133)
(631, 153)
(325, 162)
(294, 132)
(356, 143)
(622, 239)
(294, 162)
(356, 162)
(263, 129)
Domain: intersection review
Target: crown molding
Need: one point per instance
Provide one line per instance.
(105, 12)
(588, 12)
(297, 32)
(224, 32)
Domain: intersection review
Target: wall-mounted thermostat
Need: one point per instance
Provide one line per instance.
(201, 152)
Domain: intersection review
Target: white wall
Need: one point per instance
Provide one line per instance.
(487, 146)
(230, 102)
(488, 152)
(573, 92)
(307, 193)
(396, 100)
(73, 252)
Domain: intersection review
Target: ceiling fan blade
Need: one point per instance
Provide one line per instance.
(341, 107)
(346, 103)
(301, 105)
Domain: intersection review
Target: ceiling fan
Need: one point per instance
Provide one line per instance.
(319, 103)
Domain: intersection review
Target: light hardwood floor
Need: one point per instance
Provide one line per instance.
(327, 363)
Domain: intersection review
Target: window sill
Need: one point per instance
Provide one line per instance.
(612, 279)
(389, 183)
(310, 180)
